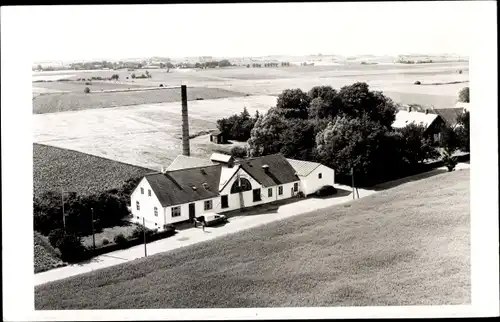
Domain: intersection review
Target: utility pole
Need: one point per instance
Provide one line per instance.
(62, 201)
(352, 178)
(93, 231)
(144, 232)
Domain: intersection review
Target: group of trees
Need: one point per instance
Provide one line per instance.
(463, 95)
(107, 209)
(345, 129)
(257, 65)
(145, 75)
(238, 126)
(213, 64)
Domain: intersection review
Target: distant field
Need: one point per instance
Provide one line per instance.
(54, 168)
(78, 87)
(406, 246)
(51, 103)
(144, 135)
(397, 79)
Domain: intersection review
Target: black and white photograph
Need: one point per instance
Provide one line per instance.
(249, 160)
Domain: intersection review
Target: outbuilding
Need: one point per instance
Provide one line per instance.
(217, 137)
(313, 176)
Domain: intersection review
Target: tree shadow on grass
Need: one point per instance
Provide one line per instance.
(417, 177)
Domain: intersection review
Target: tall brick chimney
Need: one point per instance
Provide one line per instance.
(185, 122)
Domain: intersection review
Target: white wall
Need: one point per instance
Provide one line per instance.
(147, 204)
(311, 183)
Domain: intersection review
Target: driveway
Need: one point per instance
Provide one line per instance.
(190, 236)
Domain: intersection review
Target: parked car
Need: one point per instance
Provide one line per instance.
(212, 218)
(326, 191)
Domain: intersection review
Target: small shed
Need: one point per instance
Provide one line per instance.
(217, 137)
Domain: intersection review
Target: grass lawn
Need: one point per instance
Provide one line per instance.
(54, 168)
(405, 246)
(60, 102)
(109, 234)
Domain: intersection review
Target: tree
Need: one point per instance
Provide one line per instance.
(362, 144)
(357, 100)
(133, 75)
(55, 236)
(463, 131)
(416, 146)
(293, 103)
(238, 152)
(463, 95)
(265, 135)
(148, 75)
(224, 63)
(86, 90)
(297, 140)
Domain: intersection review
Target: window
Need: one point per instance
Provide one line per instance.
(241, 185)
(208, 204)
(256, 195)
(295, 187)
(224, 202)
(270, 192)
(137, 205)
(320, 175)
(142, 191)
(176, 211)
(280, 190)
(156, 212)
(149, 192)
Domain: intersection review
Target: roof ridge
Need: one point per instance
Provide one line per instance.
(201, 166)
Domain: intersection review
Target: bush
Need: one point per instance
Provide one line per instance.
(161, 85)
(120, 239)
(55, 236)
(417, 83)
(326, 191)
(86, 90)
(238, 152)
(105, 241)
(71, 248)
(139, 232)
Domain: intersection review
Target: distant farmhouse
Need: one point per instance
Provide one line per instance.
(191, 186)
(433, 123)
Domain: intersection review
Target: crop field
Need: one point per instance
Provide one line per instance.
(78, 87)
(144, 135)
(51, 103)
(55, 168)
(45, 256)
(409, 245)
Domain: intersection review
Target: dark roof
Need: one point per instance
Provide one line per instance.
(280, 171)
(176, 187)
(449, 115)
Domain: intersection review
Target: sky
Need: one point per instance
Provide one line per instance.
(235, 30)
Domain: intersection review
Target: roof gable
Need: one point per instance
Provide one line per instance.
(303, 168)
(404, 118)
(185, 185)
(279, 172)
(449, 115)
(185, 162)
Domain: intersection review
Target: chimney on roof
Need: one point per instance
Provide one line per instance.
(185, 122)
(266, 168)
(426, 111)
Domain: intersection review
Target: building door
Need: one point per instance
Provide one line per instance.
(192, 211)
(224, 202)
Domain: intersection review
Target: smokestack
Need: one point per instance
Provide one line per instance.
(185, 122)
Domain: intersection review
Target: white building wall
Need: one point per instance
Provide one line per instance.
(311, 183)
(146, 206)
